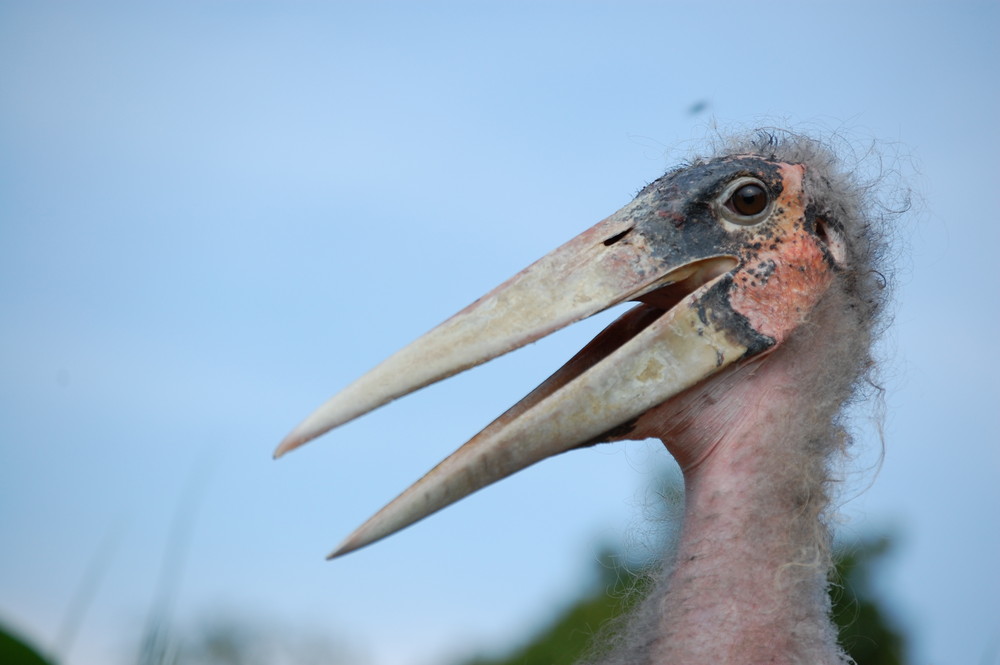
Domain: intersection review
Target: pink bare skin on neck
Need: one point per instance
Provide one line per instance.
(749, 581)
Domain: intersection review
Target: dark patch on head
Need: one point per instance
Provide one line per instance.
(714, 309)
(672, 216)
(677, 214)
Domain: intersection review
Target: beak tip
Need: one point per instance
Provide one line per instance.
(346, 547)
(289, 443)
(320, 422)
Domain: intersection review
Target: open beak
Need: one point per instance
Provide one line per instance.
(680, 334)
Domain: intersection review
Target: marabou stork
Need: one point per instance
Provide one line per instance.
(754, 273)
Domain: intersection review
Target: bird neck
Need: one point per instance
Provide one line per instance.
(749, 581)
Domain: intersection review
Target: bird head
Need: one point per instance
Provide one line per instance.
(726, 257)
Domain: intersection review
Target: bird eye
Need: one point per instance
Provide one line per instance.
(746, 201)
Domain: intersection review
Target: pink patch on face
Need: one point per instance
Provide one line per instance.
(781, 282)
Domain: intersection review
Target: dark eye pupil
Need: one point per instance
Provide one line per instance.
(749, 200)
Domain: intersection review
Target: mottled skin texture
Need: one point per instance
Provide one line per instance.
(748, 581)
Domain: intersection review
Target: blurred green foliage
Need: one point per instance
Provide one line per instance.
(15, 650)
(866, 632)
(569, 637)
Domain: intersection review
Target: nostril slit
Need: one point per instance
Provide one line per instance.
(615, 238)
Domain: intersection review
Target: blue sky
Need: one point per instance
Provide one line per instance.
(215, 215)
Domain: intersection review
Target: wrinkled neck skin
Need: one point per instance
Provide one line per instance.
(749, 582)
